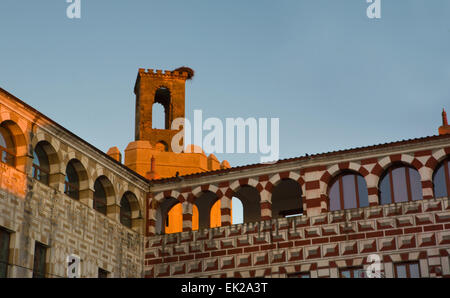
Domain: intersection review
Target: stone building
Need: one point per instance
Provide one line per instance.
(312, 216)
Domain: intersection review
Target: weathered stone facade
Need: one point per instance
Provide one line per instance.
(31, 211)
(120, 229)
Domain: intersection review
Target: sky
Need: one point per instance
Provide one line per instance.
(335, 78)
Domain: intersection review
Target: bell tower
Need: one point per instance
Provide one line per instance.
(166, 88)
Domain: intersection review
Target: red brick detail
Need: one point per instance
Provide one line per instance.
(413, 230)
(320, 240)
(218, 253)
(338, 238)
(369, 161)
(264, 178)
(303, 242)
(374, 234)
(202, 255)
(243, 181)
(393, 232)
(433, 228)
(251, 249)
(356, 236)
(372, 190)
(312, 185)
(285, 244)
(224, 184)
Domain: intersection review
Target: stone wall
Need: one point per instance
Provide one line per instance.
(66, 227)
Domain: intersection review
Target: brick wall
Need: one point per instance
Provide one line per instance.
(414, 231)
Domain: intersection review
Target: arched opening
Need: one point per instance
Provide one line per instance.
(7, 145)
(348, 191)
(125, 212)
(400, 183)
(76, 180)
(130, 211)
(158, 116)
(174, 219)
(72, 182)
(162, 96)
(287, 199)
(441, 180)
(237, 211)
(103, 194)
(162, 146)
(251, 204)
(41, 163)
(204, 203)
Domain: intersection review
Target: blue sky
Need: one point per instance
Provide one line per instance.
(335, 78)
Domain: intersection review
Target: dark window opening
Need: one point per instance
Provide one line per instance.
(102, 273)
(72, 184)
(99, 197)
(4, 253)
(41, 165)
(125, 212)
(299, 275)
(40, 252)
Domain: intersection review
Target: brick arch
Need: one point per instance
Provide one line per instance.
(159, 197)
(437, 157)
(100, 171)
(72, 154)
(41, 137)
(197, 192)
(17, 131)
(335, 170)
(275, 179)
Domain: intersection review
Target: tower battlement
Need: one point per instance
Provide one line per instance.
(166, 74)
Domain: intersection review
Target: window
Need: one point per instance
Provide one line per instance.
(400, 184)
(125, 212)
(72, 184)
(287, 199)
(41, 165)
(407, 270)
(99, 197)
(357, 272)
(7, 146)
(441, 180)
(4, 253)
(299, 275)
(102, 273)
(348, 191)
(40, 251)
